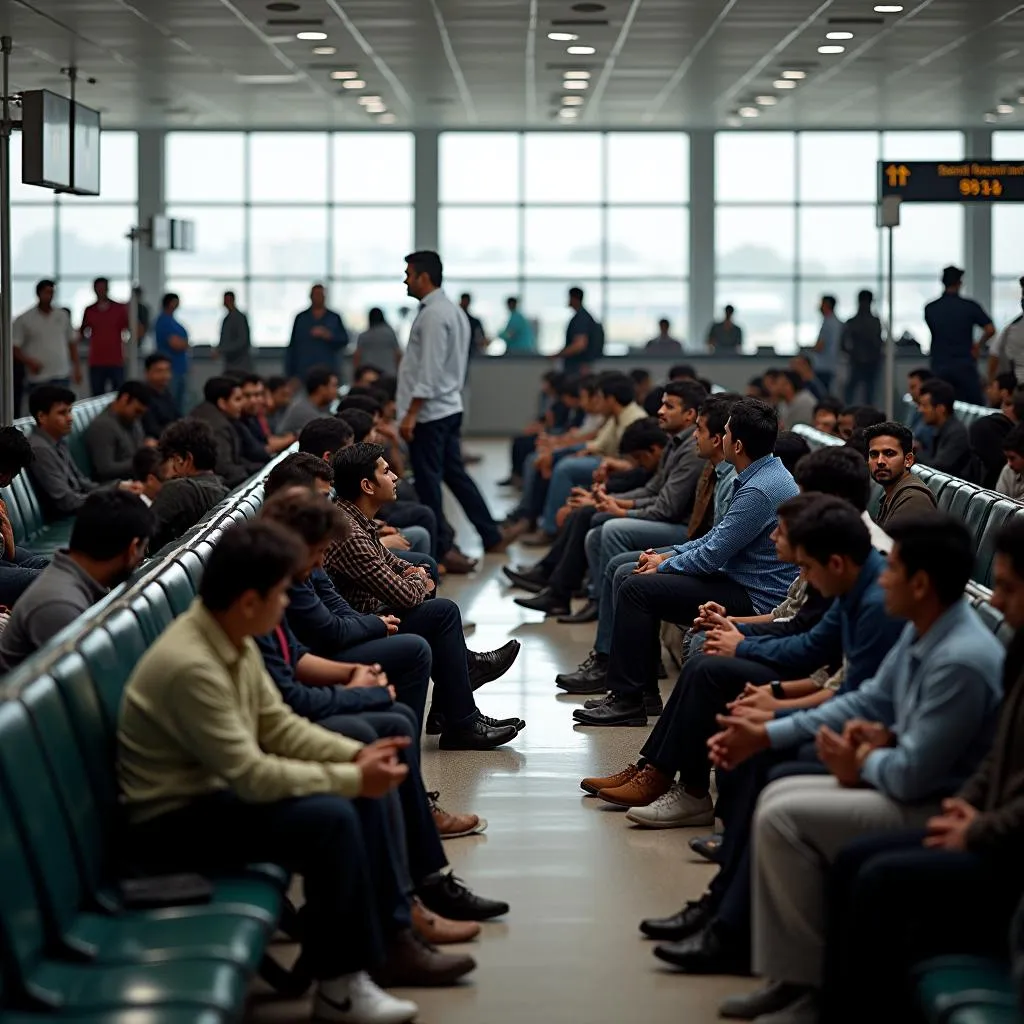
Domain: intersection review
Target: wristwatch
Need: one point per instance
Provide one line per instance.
(777, 691)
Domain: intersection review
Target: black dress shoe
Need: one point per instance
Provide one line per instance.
(620, 711)
(652, 703)
(546, 601)
(693, 918)
(771, 998)
(435, 722)
(533, 579)
(487, 666)
(447, 897)
(499, 723)
(593, 670)
(588, 613)
(582, 685)
(710, 951)
(708, 847)
(476, 734)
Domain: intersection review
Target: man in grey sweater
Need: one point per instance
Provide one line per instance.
(112, 531)
(113, 438)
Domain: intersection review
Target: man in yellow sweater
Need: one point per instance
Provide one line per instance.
(217, 772)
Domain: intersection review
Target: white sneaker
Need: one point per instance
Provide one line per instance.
(355, 999)
(675, 809)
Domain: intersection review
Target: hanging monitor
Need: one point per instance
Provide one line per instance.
(159, 233)
(46, 140)
(85, 151)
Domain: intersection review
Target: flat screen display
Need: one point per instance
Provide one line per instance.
(160, 233)
(85, 178)
(46, 140)
(183, 235)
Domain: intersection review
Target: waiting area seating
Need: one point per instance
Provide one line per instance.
(966, 990)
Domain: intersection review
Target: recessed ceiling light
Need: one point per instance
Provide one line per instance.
(888, 8)
(575, 85)
(563, 37)
(377, 108)
(324, 51)
(340, 76)
(784, 83)
(990, 117)
(369, 100)
(795, 76)
(1005, 108)
(580, 75)
(831, 49)
(766, 101)
(354, 83)
(748, 112)
(582, 51)
(310, 37)
(572, 101)
(567, 114)
(838, 35)
(386, 119)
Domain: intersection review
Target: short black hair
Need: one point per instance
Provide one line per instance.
(168, 298)
(616, 386)
(890, 428)
(137, 390)
(867, 416)
(921, 373)
(221, 388)
(830, 300)
(715, 409)
(682, 371)
(639, 375)
(1010, 542)
(364, 369)
(567, 387)
(689, 392)
(375, 316)
(319, 377)
(361, 401)
(15, 451)
(108, 521)
(588, 382)
(941, 393)
(276, 382)
(146, 462)
(360, 423)
(838, 471)
(250, 377)
(831, 526)
(756, 425)
(156, 357)
(426, 261)
(249, 556)
(576, 292)
(45, 283)
(46, 396)
(757, 383)
(939, 546)
(790, 448)
(190, 437)
(1014, 440)
(325, 434)
(352, 466)
(642, 436)
(794, 378)
(830, 405)
(388, 384)
(1018, 403)
(729, 310)
(1006, 381)
(311, 516)
(300, 469)
(792, 508)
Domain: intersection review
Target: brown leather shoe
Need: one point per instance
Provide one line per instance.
(412, 962)
(439, 931)
(642, 789)
(457, 564)
(594, 785)
(453, 826)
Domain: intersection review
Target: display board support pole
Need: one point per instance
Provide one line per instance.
(889, 217)
(134, 239)
(7, 410)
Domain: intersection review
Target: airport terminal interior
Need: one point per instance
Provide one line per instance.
(511, 509)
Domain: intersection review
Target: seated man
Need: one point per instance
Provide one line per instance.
(733, 565)
(221, 407)
(794, 401)
(950, 450)
(113, 438)
(276, 399)
(373, 579)
(321, 390)
(254, 417)
(890, 458)
(1011, 479)
(910, 736)
(987, 433)
(148, 470)
(109, 539)
(161, 411)
(19, 567)
(216, 771)
(191, 487)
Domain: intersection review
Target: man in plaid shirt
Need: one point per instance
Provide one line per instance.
(373, 579)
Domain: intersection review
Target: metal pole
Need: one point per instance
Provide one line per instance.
(890, 348)
(7, 410)
(133, 303)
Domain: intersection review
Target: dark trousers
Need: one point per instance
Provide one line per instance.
(863, 379)
(825, 376)
(405, 659)
(439, 622)
(401, 514)
(105, 378)
(964, 378)
(893, 903)
(644, 602)
(521, 448)
(436, 456)
(421, 850)
(354, 895)
(568, 572)
(18, 573)
(706, 684)
(415, 558)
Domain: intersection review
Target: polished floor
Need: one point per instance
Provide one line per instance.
(578, 877)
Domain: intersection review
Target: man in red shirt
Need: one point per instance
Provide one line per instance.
(105, 325)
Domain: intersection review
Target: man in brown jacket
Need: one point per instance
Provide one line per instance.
(890, 457)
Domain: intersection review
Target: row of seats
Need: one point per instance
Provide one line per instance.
(23, 506)
(985, 512)
(69, 952)
(964, 411)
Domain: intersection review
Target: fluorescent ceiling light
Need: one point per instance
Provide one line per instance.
(324, 51)
(563, 37)
(572, 101)
(784, 83)
(284, 79)
(831, 49)
(795, 76)
(575, 85)
(386, 119)
(567, 114)
(1004, 108)
(378, 108)
(748, 112)
(582, 51)
(766, 101)
(888, 8)
(580, 75)
(340, 76)
(838, 35)
(311, 37)
(368, 101)
(354, 83)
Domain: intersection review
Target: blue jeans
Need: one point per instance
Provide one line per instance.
(179, 389)
(617, 536)
(419, 539)
(535, 487)
(18, 573)
(616, 572)
(568, 473)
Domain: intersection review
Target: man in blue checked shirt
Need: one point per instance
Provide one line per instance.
(734, 565)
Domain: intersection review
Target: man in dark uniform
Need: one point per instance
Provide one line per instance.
(952, 319)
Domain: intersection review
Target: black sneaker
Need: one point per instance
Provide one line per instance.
(447, 896)
(592, 673)
(500, 723)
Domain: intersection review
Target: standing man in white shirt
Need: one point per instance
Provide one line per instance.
(429, 401)
(44, 344)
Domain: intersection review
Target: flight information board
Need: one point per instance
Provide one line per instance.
(961, 181)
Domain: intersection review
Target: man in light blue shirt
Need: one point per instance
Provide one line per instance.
(518, 334)
(318, 338)
(429, 403)
(829, 344)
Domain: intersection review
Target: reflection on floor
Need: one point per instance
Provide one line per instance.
(579, 878)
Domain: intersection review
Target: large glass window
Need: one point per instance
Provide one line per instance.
(276, 212)
(1007, 232)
